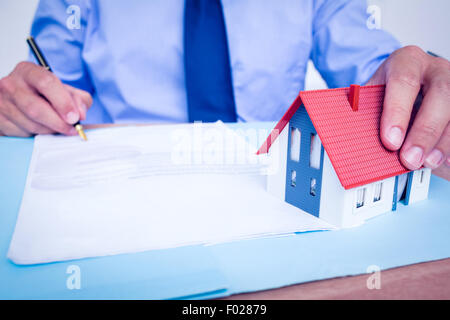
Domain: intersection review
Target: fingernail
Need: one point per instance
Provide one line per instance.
(72, 117)
(395, 136)
(434, 159)
(414, 156)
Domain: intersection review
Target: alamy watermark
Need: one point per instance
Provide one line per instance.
(215, 146)
(73, 22)
(73, 281)
(374, 280)
(374, 19)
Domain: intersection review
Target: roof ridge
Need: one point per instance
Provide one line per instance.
(342, 89)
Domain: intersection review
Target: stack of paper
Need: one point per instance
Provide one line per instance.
(133, 189)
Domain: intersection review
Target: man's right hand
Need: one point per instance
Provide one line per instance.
(34, 101)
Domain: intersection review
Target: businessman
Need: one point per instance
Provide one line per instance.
(179, 61)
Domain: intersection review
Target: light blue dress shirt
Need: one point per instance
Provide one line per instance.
(129, 54)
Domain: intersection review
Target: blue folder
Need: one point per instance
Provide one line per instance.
(413, 234)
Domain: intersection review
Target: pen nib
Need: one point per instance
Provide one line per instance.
(80, 131)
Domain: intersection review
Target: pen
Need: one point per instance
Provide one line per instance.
(433, 54)
(41, 59)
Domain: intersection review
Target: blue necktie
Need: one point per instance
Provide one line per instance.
(207, 63)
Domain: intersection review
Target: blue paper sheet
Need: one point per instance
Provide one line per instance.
(413, 234)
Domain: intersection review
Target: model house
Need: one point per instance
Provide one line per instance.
(332, 162)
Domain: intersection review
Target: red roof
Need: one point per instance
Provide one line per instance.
(350, 138)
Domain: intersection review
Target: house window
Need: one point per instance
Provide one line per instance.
(360, 197)
(295, 144)
(293, 178)
(377, 192)
(312, 187)
(314, 154)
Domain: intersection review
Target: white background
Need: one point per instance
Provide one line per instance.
(422, 22)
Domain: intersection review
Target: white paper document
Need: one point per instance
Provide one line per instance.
(134, 189)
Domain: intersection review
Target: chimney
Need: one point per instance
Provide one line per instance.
(353, 97)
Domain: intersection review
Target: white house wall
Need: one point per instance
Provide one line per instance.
(276, 177)
(332, 197)
(338, 206)
(419, 190)
(354, 216)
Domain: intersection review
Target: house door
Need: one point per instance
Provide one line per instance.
(304, 164)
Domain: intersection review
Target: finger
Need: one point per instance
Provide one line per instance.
(10, 129)
(82, 99)
(429, 124)
(441, 151)
(403, 80)
(39, 110)
(16, 116)
(53, 90)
